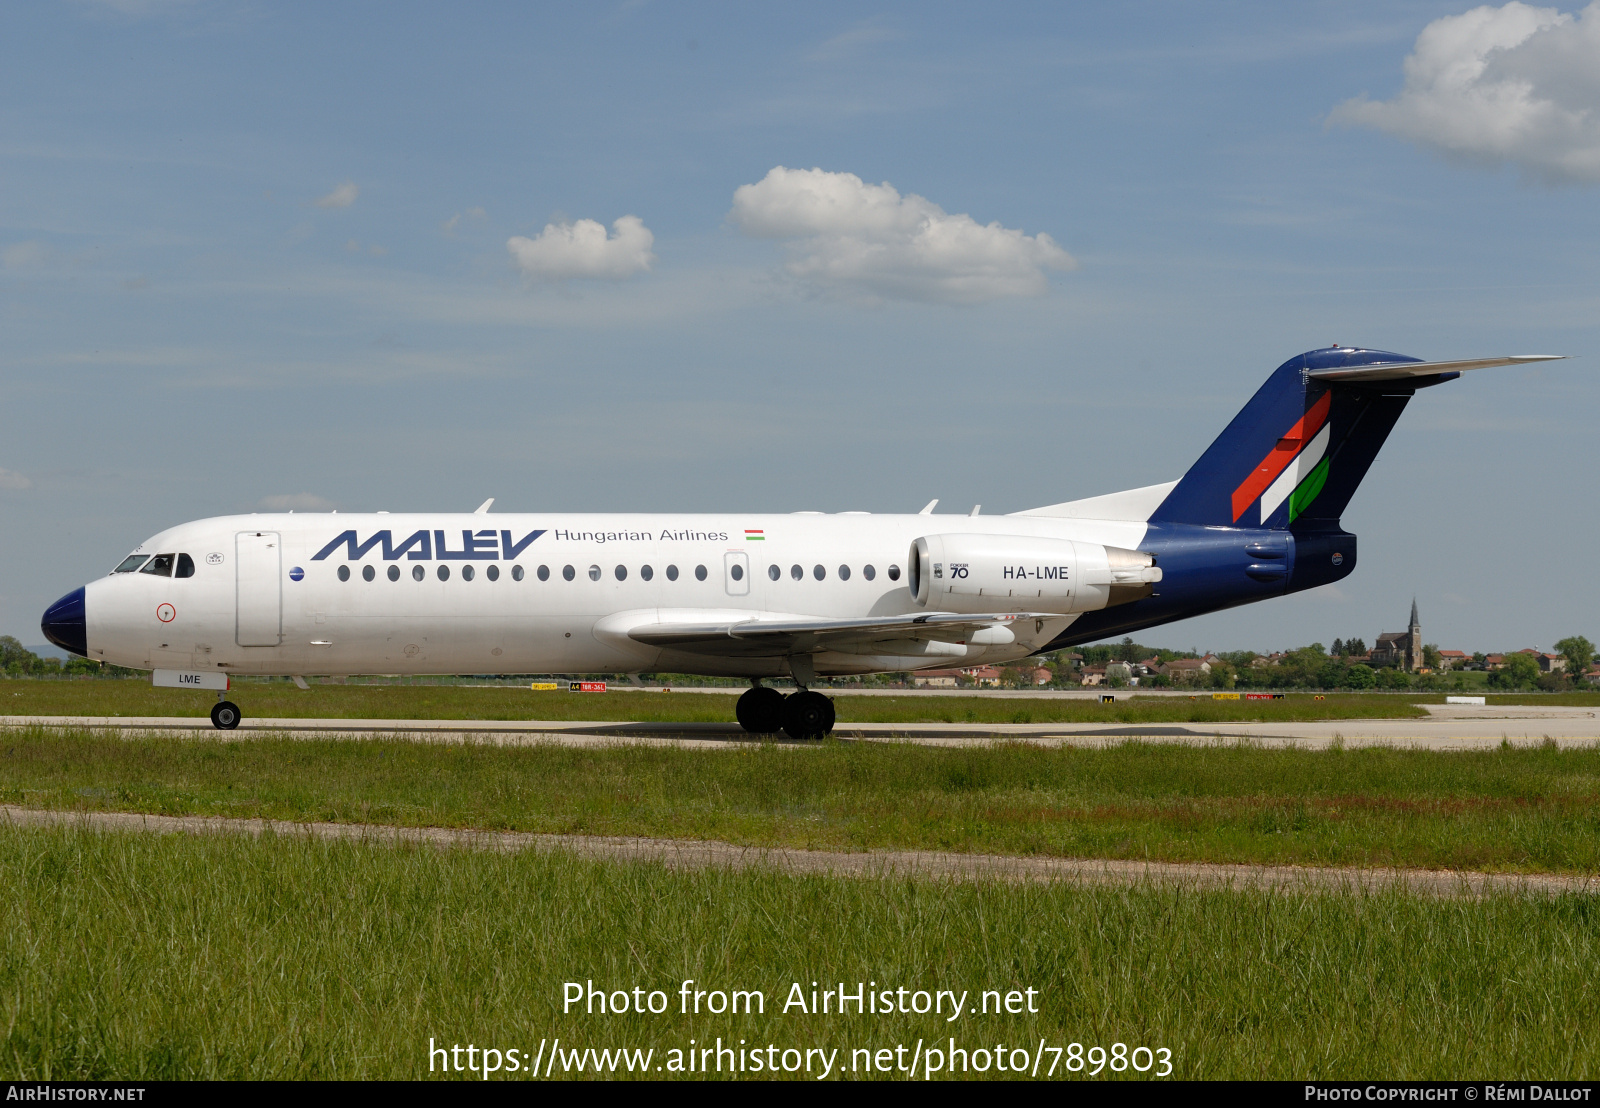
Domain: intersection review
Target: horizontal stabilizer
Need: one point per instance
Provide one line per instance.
(1399, 371)
(782, 637)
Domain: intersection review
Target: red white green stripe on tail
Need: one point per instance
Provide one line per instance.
(1295, 469)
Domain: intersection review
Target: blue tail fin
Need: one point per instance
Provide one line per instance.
(1296, 452)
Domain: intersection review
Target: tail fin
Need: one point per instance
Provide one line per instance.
(1296, 452)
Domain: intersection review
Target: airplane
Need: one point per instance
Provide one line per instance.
(759, 596)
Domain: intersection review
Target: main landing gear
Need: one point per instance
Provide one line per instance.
(225, 714)
(802, 714)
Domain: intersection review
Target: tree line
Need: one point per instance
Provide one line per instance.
(17, 660)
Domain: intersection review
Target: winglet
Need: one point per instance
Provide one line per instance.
(928, 511)
(483, 509)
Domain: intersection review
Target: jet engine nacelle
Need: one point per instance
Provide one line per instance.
(998, 573)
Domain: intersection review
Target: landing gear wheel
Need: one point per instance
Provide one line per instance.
(807, 715)
(760, 710)
(225, 714)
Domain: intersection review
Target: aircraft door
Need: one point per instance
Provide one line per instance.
(258, 579)
(736, 573)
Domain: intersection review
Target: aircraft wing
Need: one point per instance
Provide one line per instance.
(1399, 371)
(782, 637)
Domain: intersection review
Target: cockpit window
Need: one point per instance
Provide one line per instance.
(160, 565)
(185, 566)
(131, 563)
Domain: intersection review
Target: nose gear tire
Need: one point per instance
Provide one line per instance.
(225, 715)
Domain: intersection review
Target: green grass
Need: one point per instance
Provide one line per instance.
(281, 700)
(136, 957)
(1513, 810)
(1545, 699)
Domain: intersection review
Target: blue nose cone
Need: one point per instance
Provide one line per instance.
(63, 624)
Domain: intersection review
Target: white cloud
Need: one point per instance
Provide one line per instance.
(847, 236)
(1514, 84)
(863, 35)
(296, 501)
(449, 226)
(9, 479)
(581, 249)
(341, 197)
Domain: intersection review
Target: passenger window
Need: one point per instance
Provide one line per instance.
(796, 572)
(622, 573)
(844, 573)
(368, 573)
(131, 563)
(466, 573)
(594, 573)
(646, 572)
(418, 573)
(568, 573)
(160, 565)
(699, 573)
(185, 566)
(818, 572)
(774, 572)
(736, 571)
(493, 573)
(344, 573)
(894, 573)
(394, 573)
(516, 572)
(868, 572)
(444, 573)
(672, 573)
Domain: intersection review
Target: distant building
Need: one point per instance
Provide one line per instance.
(1186, 669)
(1094, 675)
(1494, 661)
(1453, 659)
(982, 676)
(1548, 663)
(1401, 648)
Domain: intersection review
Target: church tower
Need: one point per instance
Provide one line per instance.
(1414, 641)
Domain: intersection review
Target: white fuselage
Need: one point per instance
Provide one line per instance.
(261, 601)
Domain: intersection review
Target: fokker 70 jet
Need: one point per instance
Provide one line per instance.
(803, 595)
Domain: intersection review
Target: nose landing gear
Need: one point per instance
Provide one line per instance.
(801, 715)
(225, 714)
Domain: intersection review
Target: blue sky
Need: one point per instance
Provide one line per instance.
(257, 255)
